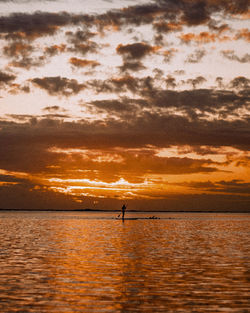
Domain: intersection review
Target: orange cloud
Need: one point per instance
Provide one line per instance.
(243, 34)
(168, 54)
(163, 27)
(203, 37)
(83, 62)
(16, 88)
(126, 81)
(17, 48)
(113, 27)
(52, 50)
(245, 16)
(28, 62)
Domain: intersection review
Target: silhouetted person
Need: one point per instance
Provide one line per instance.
(123, 211)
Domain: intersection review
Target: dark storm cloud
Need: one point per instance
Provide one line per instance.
(16, 49)
(159, 39)
(164, 27)
(121, 84)
(125, 83)
(233, 186)
(53, 108)
(230, 55)
(240, 82)
(214, 26)
(11, 179)
(84, 48)
(54, 114)
(124, 108)
(164, 165)
(29, 158)
(196, 56)
(166, 16)
(80, 41)
(196, 81)
(150, 127)
(133, 15)
(28, 142)
(112, 106)
(20, 117)
(133, 66)
(169, 129)
(27, 62)
(55, 49)
(31, 26)
(170, 82)
(187, 12)
(37, 24)
(135, 50)
(199, 12)
(20, 55)
(190, 12)
(30, 196)
(219, 81)
(195, 13)
(79, 36)
(206, 101)
(56, 86)
(101, 86)
(6, 78)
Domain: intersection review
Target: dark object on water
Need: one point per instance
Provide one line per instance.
(138, 218)
(123, 210)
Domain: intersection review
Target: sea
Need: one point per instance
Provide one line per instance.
(57, 262)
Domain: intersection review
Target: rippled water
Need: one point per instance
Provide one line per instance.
(88, 262)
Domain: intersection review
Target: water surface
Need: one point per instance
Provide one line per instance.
(89, 262)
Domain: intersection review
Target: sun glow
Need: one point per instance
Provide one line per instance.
(86, 187)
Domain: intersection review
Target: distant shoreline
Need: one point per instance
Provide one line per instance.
(117, 211)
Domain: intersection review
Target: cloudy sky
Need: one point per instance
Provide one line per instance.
(107, 101)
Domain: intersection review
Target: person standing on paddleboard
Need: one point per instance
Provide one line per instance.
(123, 210)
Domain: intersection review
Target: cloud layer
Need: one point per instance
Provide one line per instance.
(147, 102)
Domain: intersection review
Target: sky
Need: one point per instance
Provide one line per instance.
(141, 102)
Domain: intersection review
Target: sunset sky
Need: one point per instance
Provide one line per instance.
(143, 102)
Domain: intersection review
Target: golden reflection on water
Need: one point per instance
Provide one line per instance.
(67, 263)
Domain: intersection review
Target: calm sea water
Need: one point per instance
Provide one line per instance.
(88, 262)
